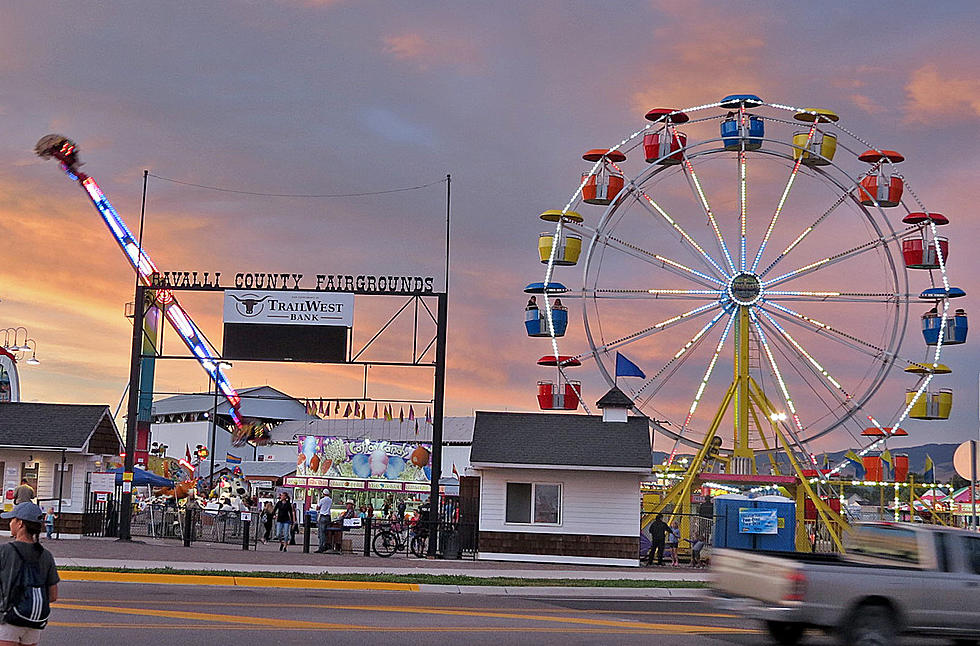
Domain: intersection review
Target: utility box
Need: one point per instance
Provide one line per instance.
(767, 523)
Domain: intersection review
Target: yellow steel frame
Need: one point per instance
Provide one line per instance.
(748, 399)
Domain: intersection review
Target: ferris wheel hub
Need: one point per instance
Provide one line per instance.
(745, 288)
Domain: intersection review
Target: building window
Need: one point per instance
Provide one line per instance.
(62, 481)
(537, 503)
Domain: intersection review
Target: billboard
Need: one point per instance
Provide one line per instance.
(287, 326)
(363, 459)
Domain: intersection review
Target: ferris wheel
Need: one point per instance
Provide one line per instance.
(761, 262)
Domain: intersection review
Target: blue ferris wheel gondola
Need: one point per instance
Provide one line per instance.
(538, 288)
(938, 293)
(735, 101)
(957, 327)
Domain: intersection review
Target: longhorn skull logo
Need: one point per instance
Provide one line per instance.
(249, 302)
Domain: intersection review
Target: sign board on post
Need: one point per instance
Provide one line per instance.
(127, 486)
(287, 326)
(246, 516)
(758, 521)
(102, 482)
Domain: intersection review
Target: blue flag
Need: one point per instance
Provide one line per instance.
(626, 368)
(856, 462)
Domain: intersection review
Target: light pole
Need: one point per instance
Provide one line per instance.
(214, 416)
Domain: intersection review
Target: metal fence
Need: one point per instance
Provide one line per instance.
(693, 528)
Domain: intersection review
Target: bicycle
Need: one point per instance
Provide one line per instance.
(390, 540)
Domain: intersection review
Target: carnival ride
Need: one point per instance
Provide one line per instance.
(843, 246)
(65, 151)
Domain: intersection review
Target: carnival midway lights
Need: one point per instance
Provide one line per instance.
(66, 152)
(700, 230)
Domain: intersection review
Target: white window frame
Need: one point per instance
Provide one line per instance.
(534, 486)
(66, 495)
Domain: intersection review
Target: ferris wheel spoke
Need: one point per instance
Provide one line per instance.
(849, 340)
(704, 383)
(698, 191)
(847, 194)
(837, 297)
(849, 254)
(784, 389)
(782, 200)
(821, 371)
(650, 294)
(684, 350)
(658, 213)
(657, 327)
(655, 259)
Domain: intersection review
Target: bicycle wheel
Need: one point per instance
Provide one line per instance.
(419, 546)
(385, 543)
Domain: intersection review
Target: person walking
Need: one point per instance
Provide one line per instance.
(285, 515)
(23, 493)
(23, 561)
(658, 533)
(267, 519)
(323, 521)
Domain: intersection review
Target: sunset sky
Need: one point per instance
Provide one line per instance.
(324, 97)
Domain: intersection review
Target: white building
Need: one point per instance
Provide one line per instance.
(184, 421)
(560, 488)
(55, 447)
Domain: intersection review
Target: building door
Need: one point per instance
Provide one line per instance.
(29, 471)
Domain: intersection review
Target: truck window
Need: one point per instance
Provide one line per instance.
(883, 543)
(942, 552)
(972, 553)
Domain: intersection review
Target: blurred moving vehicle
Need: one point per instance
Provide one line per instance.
(894, 579)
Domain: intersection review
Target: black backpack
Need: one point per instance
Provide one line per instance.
(28, 605)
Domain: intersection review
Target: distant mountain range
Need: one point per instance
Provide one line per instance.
(941, 454)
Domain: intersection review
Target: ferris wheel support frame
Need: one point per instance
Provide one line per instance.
(745, 398)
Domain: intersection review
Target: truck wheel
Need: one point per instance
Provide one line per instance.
(870, 625)
(785, 632)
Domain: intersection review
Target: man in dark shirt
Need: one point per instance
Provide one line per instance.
(658, 536)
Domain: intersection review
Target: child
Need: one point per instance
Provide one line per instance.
(49, 519)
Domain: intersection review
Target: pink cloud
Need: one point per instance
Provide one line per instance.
(427, 50)
(930, 93)
(867, 104)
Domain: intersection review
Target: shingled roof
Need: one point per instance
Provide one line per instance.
(560, 441)
(71, 427)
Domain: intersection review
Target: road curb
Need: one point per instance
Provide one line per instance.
(557, 591)
(234, 581)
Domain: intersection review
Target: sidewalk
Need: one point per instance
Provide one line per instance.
(217, 558)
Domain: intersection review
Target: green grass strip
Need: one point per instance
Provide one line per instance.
(421, 578)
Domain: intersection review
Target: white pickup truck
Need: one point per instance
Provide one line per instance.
(895, 578)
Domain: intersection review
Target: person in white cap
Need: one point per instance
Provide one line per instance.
(28, 577)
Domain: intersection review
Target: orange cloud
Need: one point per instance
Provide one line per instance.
(931, 94)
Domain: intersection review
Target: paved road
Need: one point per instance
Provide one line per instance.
(94, 613)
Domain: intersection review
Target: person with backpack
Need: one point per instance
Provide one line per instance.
(28, 577)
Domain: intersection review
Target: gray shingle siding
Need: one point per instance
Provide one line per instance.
(560, 439)
(66, 426)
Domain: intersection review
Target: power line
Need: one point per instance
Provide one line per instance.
(324, 195)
